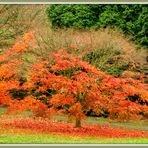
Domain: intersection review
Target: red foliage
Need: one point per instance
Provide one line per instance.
(69, 129)
(9, 73)
(82, 89)
(87, 88)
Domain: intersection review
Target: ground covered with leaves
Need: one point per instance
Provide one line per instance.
(60, 128)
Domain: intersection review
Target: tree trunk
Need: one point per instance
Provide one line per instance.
(78, 123)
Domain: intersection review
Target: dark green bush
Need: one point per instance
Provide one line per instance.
(132, 19)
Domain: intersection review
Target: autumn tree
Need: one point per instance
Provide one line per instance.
(65, 84)
(68, 85)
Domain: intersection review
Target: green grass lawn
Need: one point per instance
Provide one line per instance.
(36, 138)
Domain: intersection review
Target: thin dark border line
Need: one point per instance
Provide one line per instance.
(45, 3)
(74, 145)
(73, 2)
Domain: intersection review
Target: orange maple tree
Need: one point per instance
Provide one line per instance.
(66, 84)
(80, 87)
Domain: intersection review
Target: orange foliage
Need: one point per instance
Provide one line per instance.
(87, 88)
(77, 92)
(17, 49)
(22, 45)
(8, 69)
